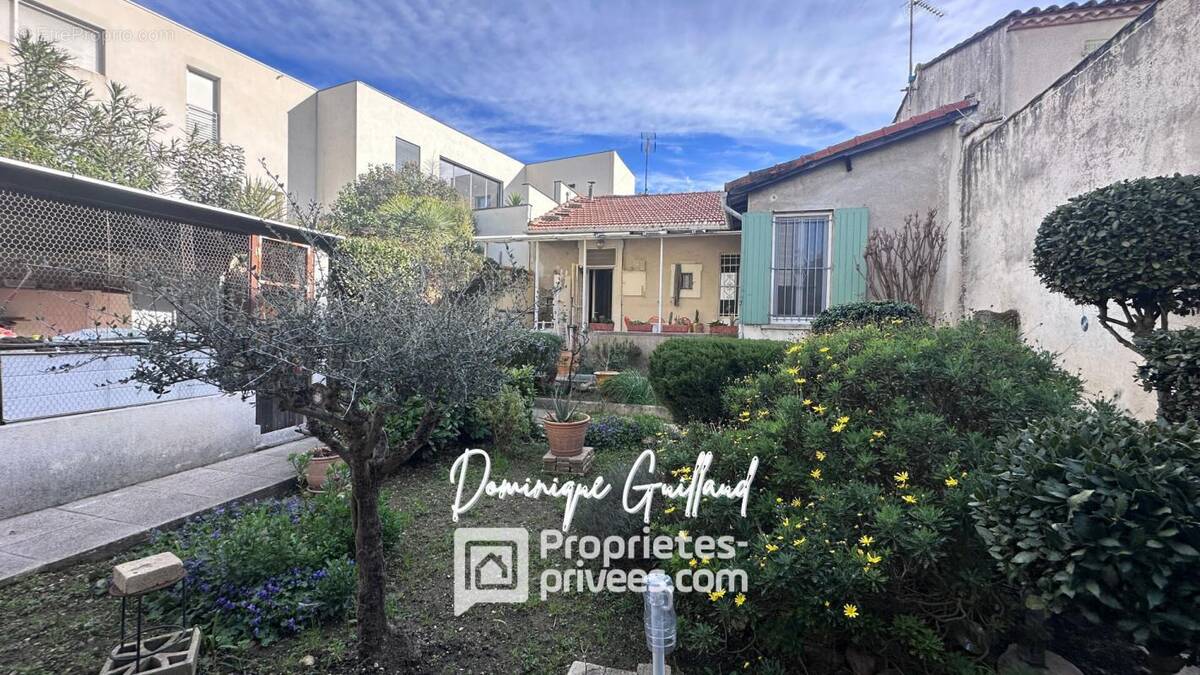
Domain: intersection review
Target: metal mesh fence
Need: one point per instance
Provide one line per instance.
(68, 272)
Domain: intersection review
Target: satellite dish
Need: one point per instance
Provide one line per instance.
(1083, 322)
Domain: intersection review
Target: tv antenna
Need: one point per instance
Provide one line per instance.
(649, 144)
(913, 5)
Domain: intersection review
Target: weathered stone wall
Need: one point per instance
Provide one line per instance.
(1131, 109)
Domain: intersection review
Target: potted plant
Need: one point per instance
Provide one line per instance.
(604, 324)
(565, 426)
(718, 328)
(635, 326)
(313, 468)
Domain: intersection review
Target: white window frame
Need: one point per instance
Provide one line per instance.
(14, 29)
(737, 286)
(216, 102)
(827, 214)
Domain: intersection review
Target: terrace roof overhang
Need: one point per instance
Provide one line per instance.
(77, 189)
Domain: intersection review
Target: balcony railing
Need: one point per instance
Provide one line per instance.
(203, 123)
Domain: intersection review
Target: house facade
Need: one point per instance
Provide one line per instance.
(992, 134)
(654, 263)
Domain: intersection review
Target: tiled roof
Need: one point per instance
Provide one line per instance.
(946, 113)
(619, 213)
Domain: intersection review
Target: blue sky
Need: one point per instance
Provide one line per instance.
(728, 86)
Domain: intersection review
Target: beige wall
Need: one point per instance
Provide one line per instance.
(906, 177)
(151, 54)
(611, 174)
(641, 255)
(1004, 69)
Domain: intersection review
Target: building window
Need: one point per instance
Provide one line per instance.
(800, 267)
(407, 153)
(82, 42)
(731, 267)
(202, 104)
(480, 191)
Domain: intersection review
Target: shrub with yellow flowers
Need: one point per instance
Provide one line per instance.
(859, 515)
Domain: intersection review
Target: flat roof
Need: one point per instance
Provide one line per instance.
(78, 189)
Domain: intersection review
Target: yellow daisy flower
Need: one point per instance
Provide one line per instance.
(815, 473)
(850, 611)
(866, 540)
(739, 599)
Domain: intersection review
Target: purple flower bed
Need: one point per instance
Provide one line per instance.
(268, 569)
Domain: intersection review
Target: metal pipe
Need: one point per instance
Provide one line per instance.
(537, 279)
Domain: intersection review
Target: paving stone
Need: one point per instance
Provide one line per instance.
(142, 506)
(12, 565)
(73, 541)
(36, 524)
(256, 464)
(206, 482)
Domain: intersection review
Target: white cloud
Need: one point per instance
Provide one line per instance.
(787, 72)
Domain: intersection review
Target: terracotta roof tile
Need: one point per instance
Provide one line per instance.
(618, 213)
(754, 177)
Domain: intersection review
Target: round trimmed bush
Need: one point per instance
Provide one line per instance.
(689, 374)
(540, 351)
(1099, 512)
(874, 313)
(1134, 241)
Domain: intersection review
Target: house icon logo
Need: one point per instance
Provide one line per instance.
(491, 564)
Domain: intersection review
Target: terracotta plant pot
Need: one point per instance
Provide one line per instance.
(723, 330)
(564, 363)
(675, 328)
(597, 325)
(566, 438)
(317, 470)
(603, 376)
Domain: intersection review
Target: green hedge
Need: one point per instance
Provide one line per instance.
(540, 351)
(690, 374)
(875, 313)
(1098, 512)
(1173, 367)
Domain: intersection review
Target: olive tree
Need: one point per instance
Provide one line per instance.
(1134, 244)
(345, 355)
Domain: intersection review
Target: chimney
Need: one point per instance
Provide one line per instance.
(590, 184)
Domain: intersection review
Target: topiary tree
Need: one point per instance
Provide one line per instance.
(1134, 244)
(1095, 511)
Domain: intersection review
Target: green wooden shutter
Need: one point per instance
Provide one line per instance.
(848, 273)
(756, 268)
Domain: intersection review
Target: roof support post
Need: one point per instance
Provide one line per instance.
(583, 307)
(661, 241)
(537, 280)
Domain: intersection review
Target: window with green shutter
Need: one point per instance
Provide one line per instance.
(848, 281)
(796, 265)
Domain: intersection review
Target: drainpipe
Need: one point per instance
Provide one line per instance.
(732, 214)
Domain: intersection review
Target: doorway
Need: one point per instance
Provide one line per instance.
(600, 287)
